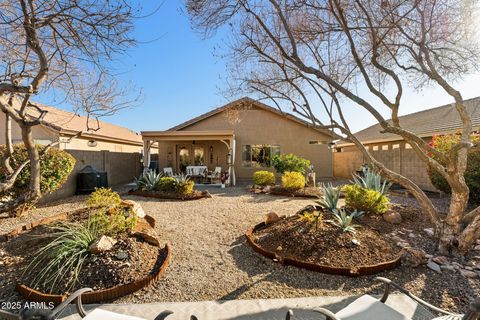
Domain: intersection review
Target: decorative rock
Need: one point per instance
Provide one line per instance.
(468, 274)
(435, 267)
(440, 260)
(355, 242)
(148, 235)
(271, 217)
(103, 244)
(477, 248)
(412, 235)
(428, 256)
(429, 231)
(392, 217)
(413, 257)
(403, 244)
(136, 208)
(279, 248)
(121, 255)
(448, 267)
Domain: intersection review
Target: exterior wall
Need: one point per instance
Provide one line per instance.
(394, 155)
(121, 168)
(40, 134)
(258, 126)
(82, 144)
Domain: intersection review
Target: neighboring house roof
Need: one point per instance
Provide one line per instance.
(426, 123)
(257, 104)
(69, 123)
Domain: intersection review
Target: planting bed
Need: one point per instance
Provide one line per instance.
(131, 264)
(307, 192)
(170, 195)
(327, 249)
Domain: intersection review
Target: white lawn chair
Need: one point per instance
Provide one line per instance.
(168, 172)
(366, 308)
(215, 175)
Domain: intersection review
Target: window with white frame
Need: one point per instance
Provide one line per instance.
(259, 155)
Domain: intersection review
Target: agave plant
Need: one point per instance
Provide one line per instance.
(371, 180)
(148, 181)
(330, 197)
(181, 178)
(343, 220)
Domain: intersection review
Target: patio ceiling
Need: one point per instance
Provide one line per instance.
(187, 135)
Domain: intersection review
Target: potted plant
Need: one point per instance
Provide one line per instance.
(223, 178)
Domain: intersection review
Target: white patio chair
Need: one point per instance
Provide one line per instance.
(215, 175)
(168, 172)
(366, 308)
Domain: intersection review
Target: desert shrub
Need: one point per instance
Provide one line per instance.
(112, 222)
(59, 261)
(372, 180)
(313, 217)
(293, 180)
(55, 167)
(167, 184)
(330, 197)
(366, 200)
(183, 184)
(472, 173)
(290, 163)
(263, 178)
(343, 220)
(104, 198)
(148, 181)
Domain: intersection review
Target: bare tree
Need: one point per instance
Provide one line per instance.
(55, 45)
(313, 56)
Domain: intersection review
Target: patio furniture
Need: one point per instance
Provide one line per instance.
(214, 175)
(197, 173)
(168, 171)
(366, 307)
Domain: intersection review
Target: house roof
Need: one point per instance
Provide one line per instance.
(258, 104)
(426, 123)
(69, 123)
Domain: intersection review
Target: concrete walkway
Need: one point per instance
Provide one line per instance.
(266, 309)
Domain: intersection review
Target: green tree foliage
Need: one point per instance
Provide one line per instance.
(290, 162)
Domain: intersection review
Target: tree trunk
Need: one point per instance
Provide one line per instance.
(8, 144)
(452, 225)
(34, 157)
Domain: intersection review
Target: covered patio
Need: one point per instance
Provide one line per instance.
(181, 149)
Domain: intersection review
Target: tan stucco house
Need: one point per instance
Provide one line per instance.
(394, 152)
(61, 125)
(240, 137)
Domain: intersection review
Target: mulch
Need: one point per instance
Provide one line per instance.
(328, 245)
(307, 192)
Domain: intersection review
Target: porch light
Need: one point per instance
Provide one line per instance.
(229, 159)
(92, 143)
(332, 145)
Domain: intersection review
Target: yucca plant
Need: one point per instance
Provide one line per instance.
(149, 181)
(371, 180)
(330, 197)
(61, 259)
(343, 220)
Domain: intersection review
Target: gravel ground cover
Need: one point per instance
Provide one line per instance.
(211, 260)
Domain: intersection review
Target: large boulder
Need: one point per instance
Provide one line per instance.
(413, 257)
(103, 244)
(392, 217)
(136, 208)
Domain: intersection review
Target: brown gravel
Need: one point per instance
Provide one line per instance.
(211, 260)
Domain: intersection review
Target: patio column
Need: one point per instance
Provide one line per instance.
(232, 166)
(146, 155)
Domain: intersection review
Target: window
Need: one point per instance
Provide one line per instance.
(258, 155)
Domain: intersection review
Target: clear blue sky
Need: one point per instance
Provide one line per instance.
(180, 77)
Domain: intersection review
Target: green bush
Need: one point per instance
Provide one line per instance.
(167, 184)
(112, 222)
(290, 162)
(293, 180)
(472, 173)
(185, 188)
(55, 167)
(104, 198)
(366, 200)
(263, 178)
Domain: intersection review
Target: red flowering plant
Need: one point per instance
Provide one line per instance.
(444, 144)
